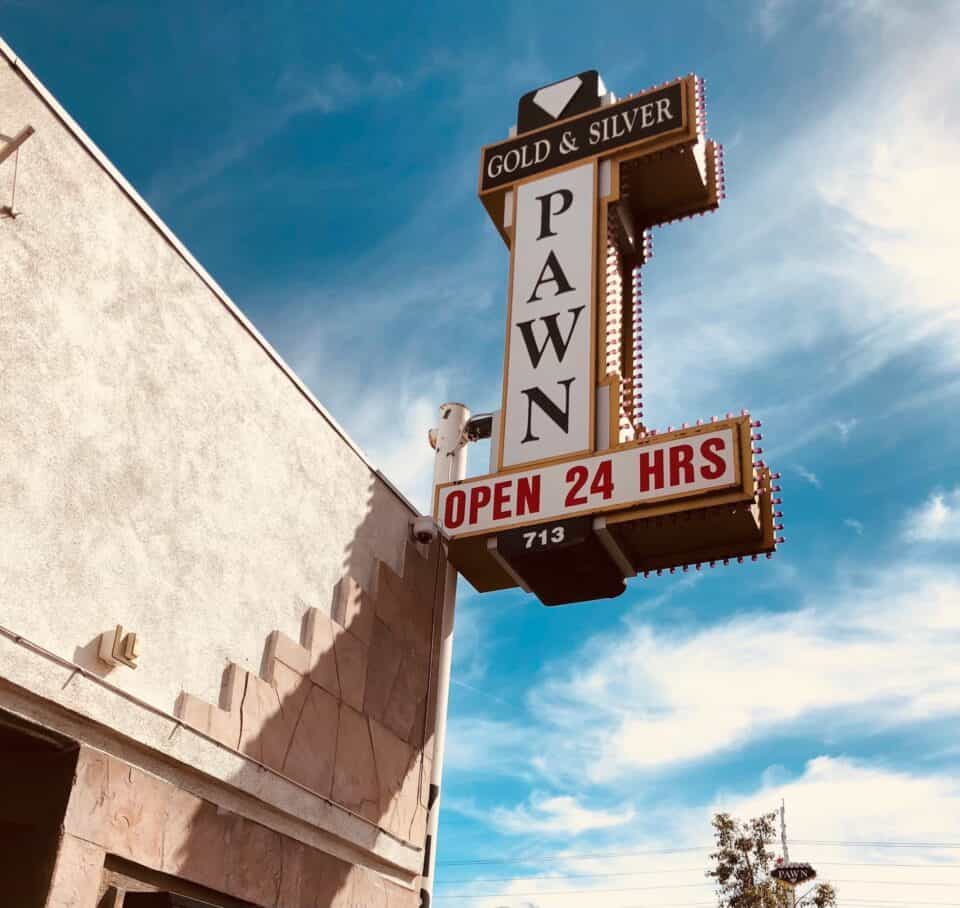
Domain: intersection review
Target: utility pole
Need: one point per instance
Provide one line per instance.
(791, 891)
(783, 831)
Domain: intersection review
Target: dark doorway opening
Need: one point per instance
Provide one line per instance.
(162, 900)
(36, 775)
(130, 885)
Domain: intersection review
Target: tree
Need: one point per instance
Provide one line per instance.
(742, 864)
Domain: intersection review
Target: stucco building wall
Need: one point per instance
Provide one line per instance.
(161, 468)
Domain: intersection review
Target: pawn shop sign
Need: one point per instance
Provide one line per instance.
(793, 874)
(582, 493)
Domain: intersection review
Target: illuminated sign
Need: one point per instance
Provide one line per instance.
(621, 478)
(583, 493)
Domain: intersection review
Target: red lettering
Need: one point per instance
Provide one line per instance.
(479, 498)
(528, 495)
(708, 451)
(577, 476)
(501, 498)
(681, 458)
(603, 480)
(454, 508)
(648, 471)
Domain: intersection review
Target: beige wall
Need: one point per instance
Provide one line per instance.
(156, 468)
(160, 468)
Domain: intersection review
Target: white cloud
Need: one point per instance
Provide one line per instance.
(855, 525)
(855, 258)
(808, 476)
(937, 520)
(495, 747)
(885, 17)
(663, 852)
(471, 648)
(840, 799)
(391, 427)
(556, 815)
(643, 699)
(769, 16)
(845, 427)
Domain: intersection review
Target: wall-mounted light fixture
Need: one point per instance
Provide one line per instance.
(117, 648)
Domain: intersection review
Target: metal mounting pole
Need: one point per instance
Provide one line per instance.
(450, 442)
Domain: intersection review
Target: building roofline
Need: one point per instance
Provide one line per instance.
(91, 148)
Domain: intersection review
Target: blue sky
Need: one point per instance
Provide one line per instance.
(321, 162)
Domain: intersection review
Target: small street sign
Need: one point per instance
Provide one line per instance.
(794, 874)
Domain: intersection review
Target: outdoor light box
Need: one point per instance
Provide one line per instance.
(582, 493)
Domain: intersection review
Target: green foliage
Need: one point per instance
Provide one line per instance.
(742, 864)
(824, 896)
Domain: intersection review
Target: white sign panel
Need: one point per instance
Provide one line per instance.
(548, 385)
(615, 480)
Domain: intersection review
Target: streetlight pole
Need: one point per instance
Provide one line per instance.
(450, 441)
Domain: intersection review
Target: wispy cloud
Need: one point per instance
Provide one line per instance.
(647, 700)
(391, 426)
(844, 427)
(855, 259)
(557, 815)
(936, 520)
(855, 525)
(296, 94)
(769, 16)
(806, 475)
(489, 747)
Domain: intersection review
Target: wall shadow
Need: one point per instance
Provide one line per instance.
(346, 712)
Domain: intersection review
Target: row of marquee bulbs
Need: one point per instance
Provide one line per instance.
(759, 467)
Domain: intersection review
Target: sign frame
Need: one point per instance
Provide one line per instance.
(741, 488)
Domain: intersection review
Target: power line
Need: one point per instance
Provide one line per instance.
(893, 882)
(512, 895)
(610, 854)
(856, 901)
(482, 895)
(573, 855)
(621, 873)
(895, 902)
(574, 876)
(942, 865)
(880, 844)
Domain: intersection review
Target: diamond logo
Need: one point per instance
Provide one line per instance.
(555, 98)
